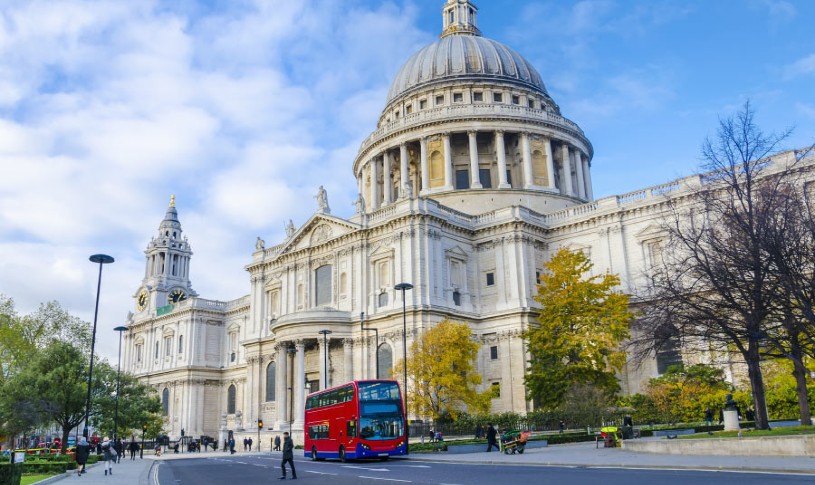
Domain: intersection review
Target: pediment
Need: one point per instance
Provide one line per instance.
(456, 252)
(651, 231)
(318, 230)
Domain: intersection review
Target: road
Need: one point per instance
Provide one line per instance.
(260, 469)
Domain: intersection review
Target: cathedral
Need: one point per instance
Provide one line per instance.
(470, 181)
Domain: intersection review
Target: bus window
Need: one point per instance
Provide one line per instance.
(351, 429)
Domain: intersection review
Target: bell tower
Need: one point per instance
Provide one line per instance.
(166, 273)
(459, 17)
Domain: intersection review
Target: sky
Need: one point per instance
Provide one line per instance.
(243, 108)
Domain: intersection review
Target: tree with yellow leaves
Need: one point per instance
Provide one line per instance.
(442, 373)
(582, 322)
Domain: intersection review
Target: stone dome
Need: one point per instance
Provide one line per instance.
(464, 56)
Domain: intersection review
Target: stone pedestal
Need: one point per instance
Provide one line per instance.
(731, 420)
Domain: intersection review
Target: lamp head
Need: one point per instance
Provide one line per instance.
(101, 258)
(403, 286)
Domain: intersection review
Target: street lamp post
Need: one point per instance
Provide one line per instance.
(143, 431)
(403, 287)
(325, 334)
(376, 339)
(119, 329)
(101, 259)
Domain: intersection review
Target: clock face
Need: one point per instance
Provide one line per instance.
(176, 296)
(141, 300)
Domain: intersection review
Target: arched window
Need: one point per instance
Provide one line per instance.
(385, 361)
(270, 381)
(230, 399)
(165, 401)
(322, 285)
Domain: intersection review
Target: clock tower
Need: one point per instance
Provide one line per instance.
(166, 274)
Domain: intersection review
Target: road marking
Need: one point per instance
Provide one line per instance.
(320, 473)
(417, 466)
(366, 468)
(386, 479)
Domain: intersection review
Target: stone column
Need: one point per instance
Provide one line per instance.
(386, 178)
(500, 151)
(526, 152)
(587, 174)
(281, 380)
(550, 164)
(299, 383)
(578, 164)
(374, 183)
(348, 358)
(423, 162)
(325, 374)
(566, 173)
(403, 169)
(475, 179)
(448, 162)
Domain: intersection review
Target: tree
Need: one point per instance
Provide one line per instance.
(581, 325)
(443, 375)
(683, 394)
(139, 403)
(52, 387)
(713, 289)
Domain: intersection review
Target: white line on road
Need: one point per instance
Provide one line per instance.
(417, 466)
(387, 479)
(320, 473)
(366, 468)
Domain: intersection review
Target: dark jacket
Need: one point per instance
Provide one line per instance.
(288, 448)
(491, 434)
(82, 453)
(108, 452)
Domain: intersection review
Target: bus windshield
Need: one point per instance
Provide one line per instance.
(380, 409)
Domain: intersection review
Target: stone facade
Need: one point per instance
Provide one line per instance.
(469, 184)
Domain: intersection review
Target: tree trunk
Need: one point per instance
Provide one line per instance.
(66, 432)
(800, 374)
(757, 385)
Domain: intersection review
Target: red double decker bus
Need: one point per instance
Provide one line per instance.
(360, 419)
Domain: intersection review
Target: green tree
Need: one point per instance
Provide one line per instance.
(683, 394)
(51, 387)
(139, 403)
(581, 324)
(441, 369)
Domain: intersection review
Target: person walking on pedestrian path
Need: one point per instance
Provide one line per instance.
(83, 450)
(288, 456)
(108, 455)
(492, 438)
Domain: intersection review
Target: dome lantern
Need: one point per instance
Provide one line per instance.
(459, 17)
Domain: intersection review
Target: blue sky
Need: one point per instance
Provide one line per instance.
(243, 108)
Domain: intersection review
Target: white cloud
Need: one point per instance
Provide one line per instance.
(801, 67)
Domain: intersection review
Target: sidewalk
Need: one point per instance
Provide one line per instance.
(586, 455)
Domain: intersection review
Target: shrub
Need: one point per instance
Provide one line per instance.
(10, 474)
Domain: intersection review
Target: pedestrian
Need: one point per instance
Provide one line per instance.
(478, 431)
(231, 446)
(432, 435)
(709, 416)
(108, 455)
(491, 438)
(244, 444)
(119, 447)
(277, 443)
(561, 426)
(83, 450)
(250, 444)
(133, 447)
(288, 456)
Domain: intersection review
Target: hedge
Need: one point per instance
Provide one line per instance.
(10, 474)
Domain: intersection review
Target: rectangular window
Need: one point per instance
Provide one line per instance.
(458, 97)
(531, 103)
(462, 179)
(351, 429)
(422, 103)
(496, 389)
(484, 178)
(538, 276)
(408, 109)
(490, 279)
(516, 99)
(509, 178)
(497, 97)
(322, 285)
(494, 352)
(478, 96)
(168, 346)
(457, 298)
(439, 100)
(180, 344)
(139, 350)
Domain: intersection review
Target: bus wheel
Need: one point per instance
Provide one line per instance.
(313, 453)
(342, 454)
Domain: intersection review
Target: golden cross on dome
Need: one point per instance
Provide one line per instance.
(172, 201)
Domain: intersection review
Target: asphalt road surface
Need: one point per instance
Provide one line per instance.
(265, 469)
